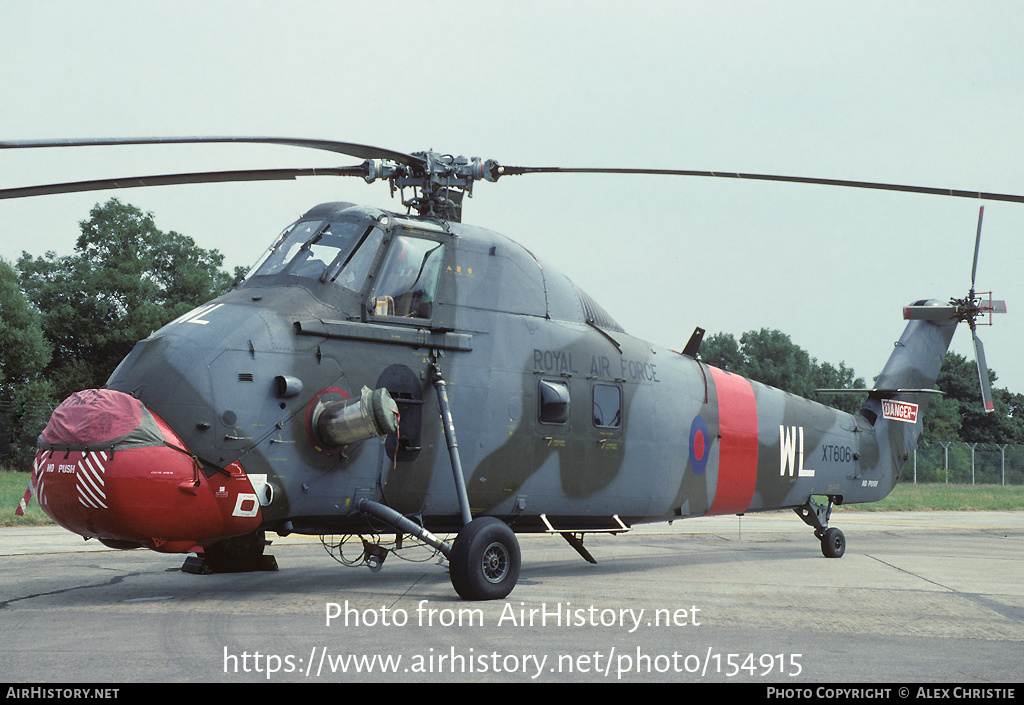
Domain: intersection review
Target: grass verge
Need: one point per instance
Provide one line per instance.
(905, 498)
(947, 498)
(12, 489)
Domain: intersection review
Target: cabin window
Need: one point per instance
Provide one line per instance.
(607, 406)
(407, 282)
(553, 401)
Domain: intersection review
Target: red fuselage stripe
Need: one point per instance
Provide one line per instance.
(737, 445)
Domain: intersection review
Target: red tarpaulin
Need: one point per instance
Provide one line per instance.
(101, 418)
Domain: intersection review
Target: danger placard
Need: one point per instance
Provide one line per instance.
(899, 410)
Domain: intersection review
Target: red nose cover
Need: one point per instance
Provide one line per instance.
(108, 467)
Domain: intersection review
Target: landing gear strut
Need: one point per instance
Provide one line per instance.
(484, 559)
(815, 515)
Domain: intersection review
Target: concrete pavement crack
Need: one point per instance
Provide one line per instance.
(113, 581)
(999, 608)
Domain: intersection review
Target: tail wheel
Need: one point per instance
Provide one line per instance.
(833, 543)
(485, 559)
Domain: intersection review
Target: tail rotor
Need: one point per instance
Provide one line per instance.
(967, 310)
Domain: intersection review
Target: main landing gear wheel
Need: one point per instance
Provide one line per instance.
(484, 560)
(833, 543)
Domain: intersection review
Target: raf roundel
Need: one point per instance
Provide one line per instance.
(699, 445)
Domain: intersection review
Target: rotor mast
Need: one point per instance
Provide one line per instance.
(439, 182)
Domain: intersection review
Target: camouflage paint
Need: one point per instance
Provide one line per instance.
(690, 440)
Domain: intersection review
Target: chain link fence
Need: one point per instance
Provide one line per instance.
(965, 463)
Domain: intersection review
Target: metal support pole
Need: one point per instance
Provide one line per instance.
(973, 446)
(453, 446)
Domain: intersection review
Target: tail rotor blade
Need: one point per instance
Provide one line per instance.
(986, 385)
(977, 245)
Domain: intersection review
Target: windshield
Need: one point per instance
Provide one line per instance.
(324, 250)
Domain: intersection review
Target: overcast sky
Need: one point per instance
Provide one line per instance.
(924, 93)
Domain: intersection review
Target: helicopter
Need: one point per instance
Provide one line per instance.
(325, 394)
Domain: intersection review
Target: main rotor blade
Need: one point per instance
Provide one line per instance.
(986, 385)
(360, 151)
(977, 245)
(517, 170)
(172, 179)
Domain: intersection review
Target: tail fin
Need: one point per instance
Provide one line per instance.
(896, 404)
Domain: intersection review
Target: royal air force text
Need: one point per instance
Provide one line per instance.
(560, 362)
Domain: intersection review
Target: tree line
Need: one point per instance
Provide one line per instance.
(67, 321)
(771, 357)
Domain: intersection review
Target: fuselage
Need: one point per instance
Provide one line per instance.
(562, 418)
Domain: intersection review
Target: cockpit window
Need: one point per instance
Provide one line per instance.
(407, 282)
(353, 271)
(322, 249)
(284, 248)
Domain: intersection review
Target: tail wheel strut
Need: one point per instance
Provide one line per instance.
(816, 515)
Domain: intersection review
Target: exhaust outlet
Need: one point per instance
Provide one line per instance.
(341, 423)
